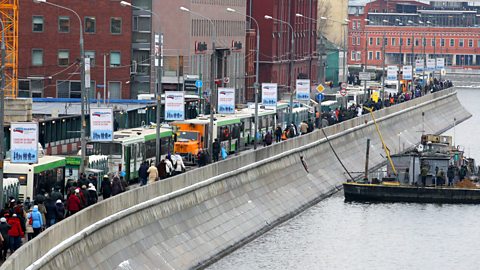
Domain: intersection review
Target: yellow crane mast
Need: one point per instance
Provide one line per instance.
(9, 17)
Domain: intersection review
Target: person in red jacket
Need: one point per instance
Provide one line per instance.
(73, 203)
(15, 233)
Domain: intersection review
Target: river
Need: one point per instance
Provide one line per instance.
(337, 235)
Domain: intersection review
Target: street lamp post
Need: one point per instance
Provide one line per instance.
(83, 139)
(257, 70)
(2, 113)
(213, 73)
(159, 71)
(292, 51)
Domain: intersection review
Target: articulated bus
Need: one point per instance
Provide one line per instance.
(130, 147)
(48, 173)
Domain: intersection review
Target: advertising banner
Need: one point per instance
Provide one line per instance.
(303, 89)
(440, 63)
(419, 65)
(226, 100)
(392, 72)
(269, 94)
(174, 106)
(24, 142)
(101, 124)
(407, 73)
(430, 65)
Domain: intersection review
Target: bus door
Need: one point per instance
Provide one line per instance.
(128, 154)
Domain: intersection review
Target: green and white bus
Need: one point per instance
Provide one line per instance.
(48, 173)
(130, 147)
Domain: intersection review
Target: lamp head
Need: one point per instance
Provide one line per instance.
(385, 21)
(39, 1)
(367, 20)
(231, 10)
(323, 18)
(299, 15)
(184, 9)
(347, 20)
(268, 17)
(125, 3)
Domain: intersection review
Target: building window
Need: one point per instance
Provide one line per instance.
(91, 55)
(400, 40)
(394, 41)
(116, 25)
(370, 55)
(452, 42)
(37, 57)
(460, 42)
(69, 89)
(37, 23)
(377, 56)
(115, 59)
(63, 24)
(90, 25)
(378, 41)
(409, 42)
(354, 39)
(359, 55)
(63, 57)
(433, 42)
(417, 42)
(370, 41)
(358, 40)
(470, 43)
(442, 42)
(354, 25)
(353, 56)
(358, 24)
(115, 90)
(30, 88)
(142, 24)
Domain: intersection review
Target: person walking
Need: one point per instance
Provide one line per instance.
(4, 228)
(450, 174)
(59, 211)
(216, 150)
(35, 219)
(179, 166)
(278, 134)
(15, 233)
(92, 196)
(142, 173)
(73, 203)
(50, 215)
(152, 174)
(117, 186)
(268, 138)
(106, 187)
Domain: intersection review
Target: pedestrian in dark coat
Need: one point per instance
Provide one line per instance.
(92, 196)
(59, 210)
(268, 138)
(278, 134)
(216, 150)
(117, 187)
(106, 188)
(4, 228)
(162, 169)
(50, 215)
(142, 173)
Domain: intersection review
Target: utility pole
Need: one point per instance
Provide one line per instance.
(2, 114)
(365, 66)
(383, 68)
(104, 78)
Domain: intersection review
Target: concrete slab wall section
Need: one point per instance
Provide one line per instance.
(193, 219)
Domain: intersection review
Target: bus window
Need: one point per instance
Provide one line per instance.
(22, 178)
(107, 149)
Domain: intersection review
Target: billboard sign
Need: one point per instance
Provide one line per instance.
(24, 142)
(226, 100)
(431, 65)
(174, 105)
(440, 63)
(269, 94)
(407, 73)
(419, 65)
(303, 89)
(392, 72)
(101, 124)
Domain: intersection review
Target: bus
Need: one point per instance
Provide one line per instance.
(43, 176)
(131, 147)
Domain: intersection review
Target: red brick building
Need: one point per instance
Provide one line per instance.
(414, 30)
(275, 40)
(49, 48)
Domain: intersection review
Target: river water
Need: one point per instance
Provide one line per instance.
(337, 235)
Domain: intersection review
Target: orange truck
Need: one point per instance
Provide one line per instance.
(191, 138)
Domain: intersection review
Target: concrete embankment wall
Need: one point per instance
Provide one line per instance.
(194, 218)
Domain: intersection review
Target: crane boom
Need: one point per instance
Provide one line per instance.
(9, 17)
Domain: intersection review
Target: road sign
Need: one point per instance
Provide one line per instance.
(226, 80)
(198, 83)
(190, 85)
(320, 97)
(364, 76)
(343, 92)
(344, 85)
(320, 88)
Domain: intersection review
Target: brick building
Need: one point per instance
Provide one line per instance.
(275, 40)
(414, 30)
(49, 48)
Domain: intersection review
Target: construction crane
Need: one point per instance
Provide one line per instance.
(9, 17)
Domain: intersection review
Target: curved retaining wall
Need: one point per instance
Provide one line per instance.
(192, 219)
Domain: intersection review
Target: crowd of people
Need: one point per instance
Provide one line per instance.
(171, 165)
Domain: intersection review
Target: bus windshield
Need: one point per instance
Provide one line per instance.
(107, 148)
(185, 136)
